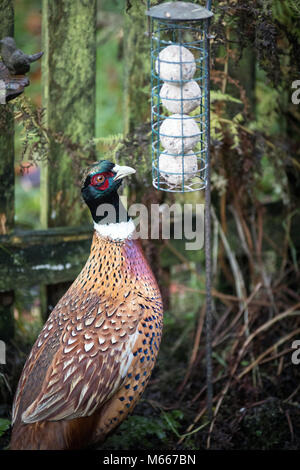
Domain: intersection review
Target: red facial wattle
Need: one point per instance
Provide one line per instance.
(101, 180)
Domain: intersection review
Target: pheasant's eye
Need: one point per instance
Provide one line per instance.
(101, 180)
(97, 180)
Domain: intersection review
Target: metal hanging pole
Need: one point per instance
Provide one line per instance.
(208, 4)
(169, 18)
(207, 234)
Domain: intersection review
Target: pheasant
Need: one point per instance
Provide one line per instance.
(94, 356)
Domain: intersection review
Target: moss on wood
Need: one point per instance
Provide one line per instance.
(7, 178)
(6, 136)
(69, 71)
(43, 257)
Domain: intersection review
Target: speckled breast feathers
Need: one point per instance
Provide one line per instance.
(99, 345)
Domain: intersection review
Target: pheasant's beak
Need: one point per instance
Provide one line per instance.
(122, 171)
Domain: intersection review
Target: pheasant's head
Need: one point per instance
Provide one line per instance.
(100, 185)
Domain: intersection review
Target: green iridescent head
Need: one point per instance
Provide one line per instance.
(100, 185)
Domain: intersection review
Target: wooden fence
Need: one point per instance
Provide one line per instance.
(52, 257)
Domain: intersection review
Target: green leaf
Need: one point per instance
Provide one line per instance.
(4, 425)
(219, 359)
(219, 96)
(244, 363)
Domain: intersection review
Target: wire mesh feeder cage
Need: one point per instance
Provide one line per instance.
(179, 95)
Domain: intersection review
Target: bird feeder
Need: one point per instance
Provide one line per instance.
(179, 96)
(180, 118)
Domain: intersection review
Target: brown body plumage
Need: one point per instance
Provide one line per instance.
(93, 357)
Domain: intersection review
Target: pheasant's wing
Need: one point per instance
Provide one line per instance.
(94, 353)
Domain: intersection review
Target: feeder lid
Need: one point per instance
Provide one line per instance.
(179, 11)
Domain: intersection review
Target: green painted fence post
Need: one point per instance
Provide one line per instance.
(7, 178)
(69, 77)
(69, 80)
(137, 65)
